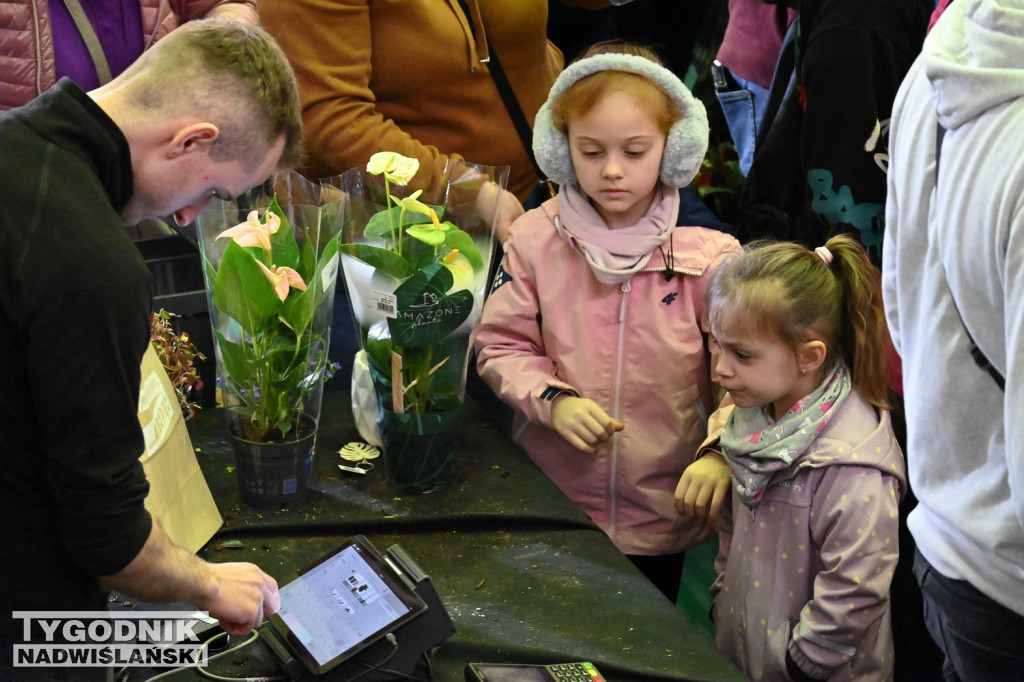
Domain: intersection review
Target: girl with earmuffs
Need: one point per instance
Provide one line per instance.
(591, 331)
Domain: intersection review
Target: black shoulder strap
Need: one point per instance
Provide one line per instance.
(508, 96)
(980, 359)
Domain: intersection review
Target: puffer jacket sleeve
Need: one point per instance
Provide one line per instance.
(858, 537)
(511, 356)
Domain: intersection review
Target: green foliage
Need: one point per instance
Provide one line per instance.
(277, 356)
(431, 261)
(177, 354)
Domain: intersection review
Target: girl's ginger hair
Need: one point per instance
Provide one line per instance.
(787, 290)
(584, 95)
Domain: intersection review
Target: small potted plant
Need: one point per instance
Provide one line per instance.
(416, 263)
(178, 356)
(270, 273)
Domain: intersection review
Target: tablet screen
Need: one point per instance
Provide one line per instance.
(342, 604)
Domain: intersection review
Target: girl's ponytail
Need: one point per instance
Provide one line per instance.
(864, 334)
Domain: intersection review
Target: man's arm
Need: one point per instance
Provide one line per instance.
(238, 595)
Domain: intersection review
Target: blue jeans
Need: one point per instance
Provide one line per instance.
(980, 638)
(743, 109)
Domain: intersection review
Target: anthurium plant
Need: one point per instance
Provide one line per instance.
(267, 289)
(427, 272)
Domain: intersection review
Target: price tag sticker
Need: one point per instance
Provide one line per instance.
(384, 303)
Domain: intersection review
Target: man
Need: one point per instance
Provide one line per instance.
(211, 110)
(954, 289)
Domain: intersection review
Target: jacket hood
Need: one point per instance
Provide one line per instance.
(973, 58)
(854, 437)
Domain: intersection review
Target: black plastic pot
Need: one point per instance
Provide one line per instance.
(274, 474)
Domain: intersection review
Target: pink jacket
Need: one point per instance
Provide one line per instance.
(635, 349)
(26, 41)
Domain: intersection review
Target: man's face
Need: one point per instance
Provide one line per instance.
(182, 186)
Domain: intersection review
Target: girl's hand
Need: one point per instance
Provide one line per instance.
(582, 422)
(704, 487)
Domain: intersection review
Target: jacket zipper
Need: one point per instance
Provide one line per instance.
(616, 410)
(39, 49)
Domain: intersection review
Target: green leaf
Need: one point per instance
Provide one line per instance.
(707, 190)
(242, 292)
(307, 259)
(426, 312)
(238, 362)
(457, 239)
(386, 261)
(283, 246)
(378, 347)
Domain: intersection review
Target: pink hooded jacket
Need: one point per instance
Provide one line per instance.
(635, 349)
(27, 62)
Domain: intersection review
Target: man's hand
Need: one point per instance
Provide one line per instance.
(582, 422)
(242, 596)
(704, 487)
(236, 594)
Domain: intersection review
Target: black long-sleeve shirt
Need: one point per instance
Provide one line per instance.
(75, 298)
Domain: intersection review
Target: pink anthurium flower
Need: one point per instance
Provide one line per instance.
(282, 278)
(252, 232)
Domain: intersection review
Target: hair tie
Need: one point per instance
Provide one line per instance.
(824, 254)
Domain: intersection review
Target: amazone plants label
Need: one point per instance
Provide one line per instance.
(427, 313)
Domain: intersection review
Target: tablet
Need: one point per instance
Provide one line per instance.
(344, 602)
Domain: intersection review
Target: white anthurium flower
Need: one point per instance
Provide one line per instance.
(461, 269)
(433, 234)
(412, 203)
(395, 167)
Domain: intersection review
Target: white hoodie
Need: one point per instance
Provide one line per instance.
(963, 240)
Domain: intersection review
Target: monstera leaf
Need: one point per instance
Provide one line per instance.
(427, 313)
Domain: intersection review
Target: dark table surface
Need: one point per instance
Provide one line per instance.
(524, 575)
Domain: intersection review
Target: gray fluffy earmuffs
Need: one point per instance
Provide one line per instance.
(687, 138)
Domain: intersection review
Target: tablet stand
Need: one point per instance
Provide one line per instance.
(415, 638)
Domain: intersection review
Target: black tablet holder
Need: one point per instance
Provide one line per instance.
(414, 639)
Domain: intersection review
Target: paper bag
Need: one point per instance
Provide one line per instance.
(178, 494)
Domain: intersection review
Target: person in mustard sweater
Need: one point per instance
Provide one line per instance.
(413, 77)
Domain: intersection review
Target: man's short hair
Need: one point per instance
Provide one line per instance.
(233, 75)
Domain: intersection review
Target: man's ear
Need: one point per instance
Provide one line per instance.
(812, 355)
(192, 138)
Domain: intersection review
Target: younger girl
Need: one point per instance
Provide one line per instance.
(591, 331)
(800, 343)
